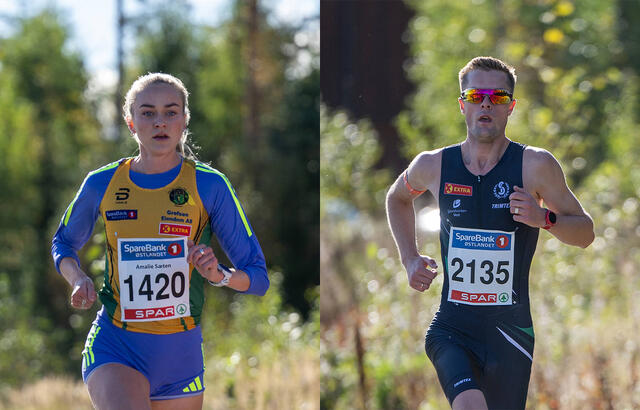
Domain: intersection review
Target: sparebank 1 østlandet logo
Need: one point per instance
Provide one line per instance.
(501, 190)
(456, 203)
(121, 214)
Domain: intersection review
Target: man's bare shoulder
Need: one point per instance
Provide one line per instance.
(536, 158)
(540, 169)
(427, 161)
(424, 171)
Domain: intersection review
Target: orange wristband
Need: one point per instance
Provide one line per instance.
(409, 187)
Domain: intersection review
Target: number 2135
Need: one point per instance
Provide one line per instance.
(487, 276)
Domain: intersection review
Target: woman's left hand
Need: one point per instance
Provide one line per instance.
(205, 261)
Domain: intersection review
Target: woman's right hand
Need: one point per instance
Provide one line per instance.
(84, 293)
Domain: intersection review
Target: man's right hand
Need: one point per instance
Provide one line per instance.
(421, 270)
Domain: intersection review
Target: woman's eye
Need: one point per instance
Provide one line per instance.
(171, 113)
(147, 114)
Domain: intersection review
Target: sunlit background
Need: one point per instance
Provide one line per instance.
(389, 90)
(252, 70)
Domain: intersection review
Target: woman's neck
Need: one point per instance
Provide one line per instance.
(146, 163)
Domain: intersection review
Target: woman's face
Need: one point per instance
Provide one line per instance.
(158, 118)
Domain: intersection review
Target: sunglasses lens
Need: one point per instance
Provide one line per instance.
(500, 99)
(472, 96)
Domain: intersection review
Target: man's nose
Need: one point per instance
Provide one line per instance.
(486, 102)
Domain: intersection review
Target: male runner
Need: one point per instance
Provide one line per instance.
(490, 191)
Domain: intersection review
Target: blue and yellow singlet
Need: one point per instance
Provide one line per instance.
(148, 285)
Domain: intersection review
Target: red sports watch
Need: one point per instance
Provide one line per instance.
(549, 219)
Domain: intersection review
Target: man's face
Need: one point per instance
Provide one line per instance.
(486, 121)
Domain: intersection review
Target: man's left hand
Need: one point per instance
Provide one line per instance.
(525, 208)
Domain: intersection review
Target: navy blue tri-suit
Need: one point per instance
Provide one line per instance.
(482, 335)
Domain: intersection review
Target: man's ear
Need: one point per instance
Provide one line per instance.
(511, 107)
(461, 105)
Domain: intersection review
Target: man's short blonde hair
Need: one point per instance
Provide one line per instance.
(487, 64)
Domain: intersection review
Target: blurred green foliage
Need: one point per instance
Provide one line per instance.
(577, 97)
(50, 138)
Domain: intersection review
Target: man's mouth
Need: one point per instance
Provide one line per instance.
(485, 119)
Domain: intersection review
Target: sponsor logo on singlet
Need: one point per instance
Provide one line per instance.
(457, 209)
(122, 194)
(121, 214)
(456, 384)
(457, 189)
(179, 196)
(501, 190)
(174, 229)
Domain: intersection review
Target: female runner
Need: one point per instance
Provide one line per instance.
(144, 350)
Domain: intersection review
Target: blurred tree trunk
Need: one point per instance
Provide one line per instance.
(364, 52)
(118, 97)
(628, 14)
(252, 96)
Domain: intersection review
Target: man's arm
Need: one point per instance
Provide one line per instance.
(543, 178)
(422, 174)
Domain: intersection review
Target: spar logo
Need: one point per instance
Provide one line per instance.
(174, 229)
(457, 189)
(476, 298)
(150, 313)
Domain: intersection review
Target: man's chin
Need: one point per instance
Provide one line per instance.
(485, 135)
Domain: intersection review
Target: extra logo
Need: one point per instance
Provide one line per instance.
(501, 190)
(122, 194)
(457, 189)
(179, 196)
(174, 229)
(121, 214)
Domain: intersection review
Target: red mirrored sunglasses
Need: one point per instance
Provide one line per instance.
(496, 95)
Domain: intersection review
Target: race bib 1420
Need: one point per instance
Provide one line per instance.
(154, 278)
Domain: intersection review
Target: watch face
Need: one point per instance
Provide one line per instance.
(552, 217)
